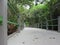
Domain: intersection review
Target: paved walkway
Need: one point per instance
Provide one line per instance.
(34, 36)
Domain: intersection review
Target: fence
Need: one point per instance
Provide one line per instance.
(51, 24)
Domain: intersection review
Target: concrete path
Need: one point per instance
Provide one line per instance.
(34, 36)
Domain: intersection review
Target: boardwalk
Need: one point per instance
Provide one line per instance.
(34, 36)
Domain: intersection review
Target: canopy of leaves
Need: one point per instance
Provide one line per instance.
(40, 12)
(15, 7)
(34, 14)
(24, 1)
(38, 7)
(37, 14)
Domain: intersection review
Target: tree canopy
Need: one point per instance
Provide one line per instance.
(35, 14)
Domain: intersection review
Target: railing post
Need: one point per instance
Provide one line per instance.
(3, 27)
(47, 25)
(41, 24)
(58, 23)
(18, 24)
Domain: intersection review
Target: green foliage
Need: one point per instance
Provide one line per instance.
(40, 12)
(35, 14)
(1, 18)
(40, 6)
(51, 5)
(12, 11)
(24, 1)
(15, 7)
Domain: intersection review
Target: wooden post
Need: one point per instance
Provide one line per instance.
(18, 24)
(58, 23)
(46, 24)
(41, 25)
(3, 27)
